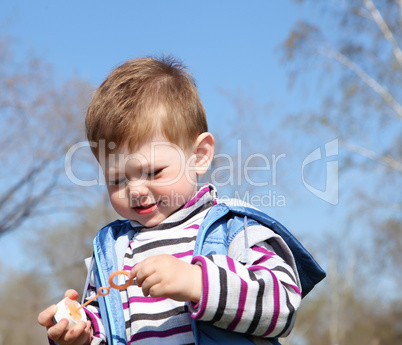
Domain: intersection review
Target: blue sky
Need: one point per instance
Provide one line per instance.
(228, 45)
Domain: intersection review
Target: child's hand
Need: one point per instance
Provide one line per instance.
(80, 334)
(167, 276)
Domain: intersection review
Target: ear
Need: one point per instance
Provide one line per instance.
(204, 147)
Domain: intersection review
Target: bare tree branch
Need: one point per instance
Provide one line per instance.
(369, 81)
(39, 120)
(378, 18)
(386, 160)
(25, 208)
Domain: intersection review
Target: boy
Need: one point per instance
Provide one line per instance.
(148, 119)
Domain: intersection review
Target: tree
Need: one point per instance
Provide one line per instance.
(58, 252)
(354, 53)
(22, 295)
(60, 259)
(357, 58)
(359, 70)
(40, 119)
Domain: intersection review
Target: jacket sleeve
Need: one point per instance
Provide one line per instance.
(259, 299)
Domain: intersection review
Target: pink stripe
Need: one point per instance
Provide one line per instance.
(267, 254)
(261, 250)
(242, 297)
(194, 226)
(139, 299)
(95, 314)
(94, 320)
(205, 287)
(275, 315)
(231, 264)
(263, 258)
(197, 197)
(294, 287)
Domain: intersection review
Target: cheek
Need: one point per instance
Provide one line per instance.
(185, 187)
(118, 200)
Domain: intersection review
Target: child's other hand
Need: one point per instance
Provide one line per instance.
(167, 276)
(80, 334)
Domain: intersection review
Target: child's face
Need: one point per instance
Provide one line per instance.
(153, 182)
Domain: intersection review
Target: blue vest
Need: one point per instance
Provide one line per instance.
(219, 227)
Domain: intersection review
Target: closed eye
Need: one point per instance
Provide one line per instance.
(117, 182)
(155, 173)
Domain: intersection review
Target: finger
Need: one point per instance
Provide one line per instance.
(159, 290)
(72, 294)
(142, 272)
(78, 334)
(89, 327)
(149, 286)
(45, 317)
(56, 331)
(133, 272)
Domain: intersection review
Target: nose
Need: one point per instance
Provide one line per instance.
(137, 193)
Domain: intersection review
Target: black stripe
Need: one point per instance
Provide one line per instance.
(284, 270)
(94, 303)
(166, 226)
(157, 316)
(258, 303)
(223, 279)
(160, 243)
(290, 316)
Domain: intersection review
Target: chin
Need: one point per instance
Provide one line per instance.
(151, 223)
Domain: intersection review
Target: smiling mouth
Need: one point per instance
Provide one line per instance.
(146, 209)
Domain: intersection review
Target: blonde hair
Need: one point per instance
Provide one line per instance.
(141, 97)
